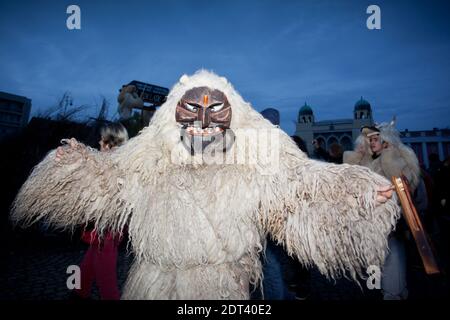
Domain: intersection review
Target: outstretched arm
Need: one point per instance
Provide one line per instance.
(336, 217)
(73, 185)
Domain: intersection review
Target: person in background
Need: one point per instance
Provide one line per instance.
(434, 165)
(335, 153)
(100, 261)
(380, 149)
(319, 153)
(442, 196)
(300, 143)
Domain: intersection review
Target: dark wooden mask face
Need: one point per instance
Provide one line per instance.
(204, 111)
(205, 116)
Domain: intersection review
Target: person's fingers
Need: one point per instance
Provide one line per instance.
(385, 188)
(381, 199)
(388, 194)
(73, 143)
(385, 194)
(59, 151)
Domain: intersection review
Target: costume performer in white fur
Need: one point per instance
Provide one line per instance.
(197, 229)
(394, 159)
(380, 149)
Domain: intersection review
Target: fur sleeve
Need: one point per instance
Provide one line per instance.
(393, 163)
(352, 157)
(330, 217)
(85, 187)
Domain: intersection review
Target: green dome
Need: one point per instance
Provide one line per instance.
(362, 104)
(305, 110)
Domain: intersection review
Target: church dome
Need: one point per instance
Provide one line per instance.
(362, 104)
(305, 110)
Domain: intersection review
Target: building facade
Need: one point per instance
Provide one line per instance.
(428, 142)
(345, 131)
(341, 131)
(14, 113)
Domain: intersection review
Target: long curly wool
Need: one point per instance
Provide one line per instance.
(85, 186)
(395, 160)
(198, 229)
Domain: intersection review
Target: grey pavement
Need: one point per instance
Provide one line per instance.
(37, 271)
(41, 273)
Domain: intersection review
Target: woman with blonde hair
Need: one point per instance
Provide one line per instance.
(100, 260)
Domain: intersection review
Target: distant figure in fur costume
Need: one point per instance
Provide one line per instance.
(380, 149)
(128, 99)
(197, 225)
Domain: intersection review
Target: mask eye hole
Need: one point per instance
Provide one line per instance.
(216, 107)
(191, 107)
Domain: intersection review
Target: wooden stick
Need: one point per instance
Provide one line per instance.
(415, 225)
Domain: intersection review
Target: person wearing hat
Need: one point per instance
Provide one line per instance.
(380, 149)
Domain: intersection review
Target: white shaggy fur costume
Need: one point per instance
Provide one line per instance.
(197, 230)
(395, 160)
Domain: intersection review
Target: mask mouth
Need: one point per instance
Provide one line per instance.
(210, 131)
(198, 140)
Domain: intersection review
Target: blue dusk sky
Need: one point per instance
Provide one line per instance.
(276, 53)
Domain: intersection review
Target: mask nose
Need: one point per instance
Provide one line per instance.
(204, 117)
